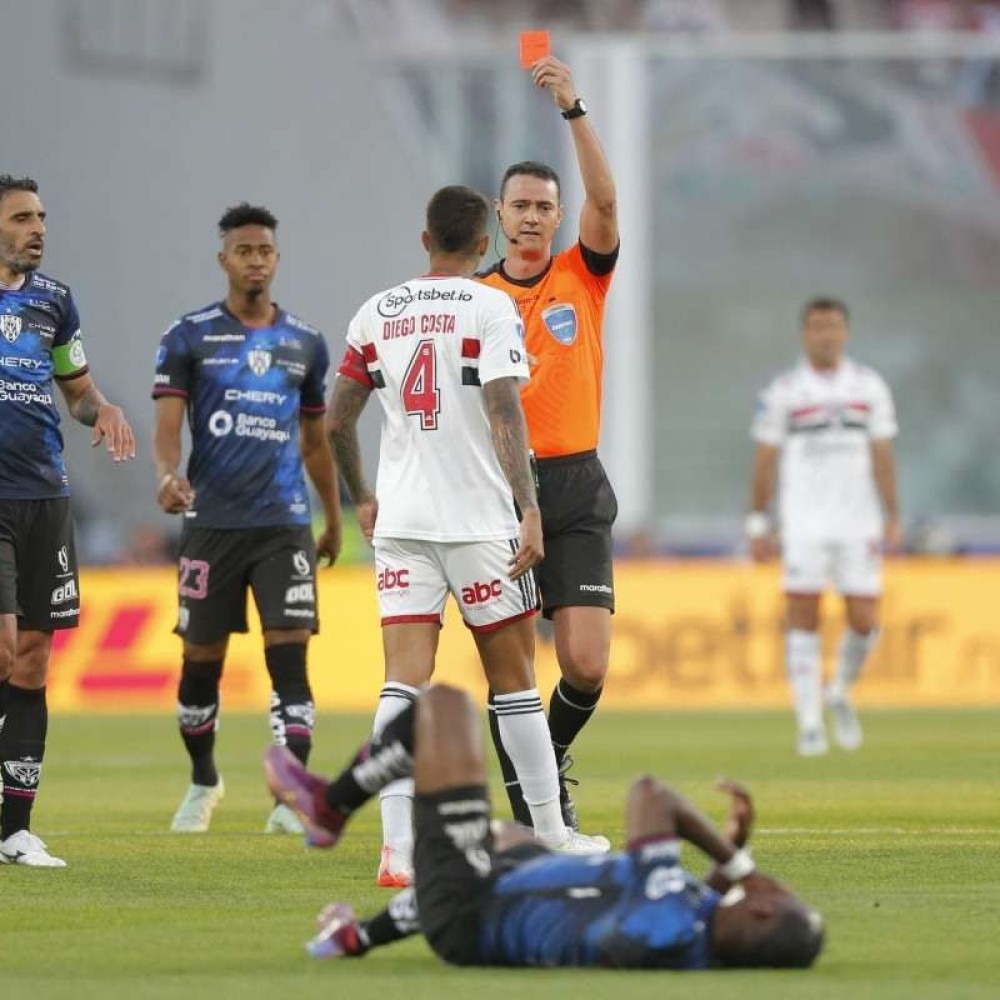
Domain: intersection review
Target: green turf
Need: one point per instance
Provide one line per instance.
(898, 845)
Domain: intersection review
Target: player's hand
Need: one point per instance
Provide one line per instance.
(328, 544)
(892, 538)
(764, 549)
(530, 550)
(740, 821)
(175, 495)
(367, 513)
(557, 79)
(111, 426)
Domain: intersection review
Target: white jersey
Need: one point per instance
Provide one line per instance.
(824, 424)
(427, 348)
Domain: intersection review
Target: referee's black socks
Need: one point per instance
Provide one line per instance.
(570, 710)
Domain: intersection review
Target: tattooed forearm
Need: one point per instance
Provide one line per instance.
(349, 398)
(510, 439)
(85, 406)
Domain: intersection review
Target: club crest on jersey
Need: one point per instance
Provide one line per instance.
(259, 361)
(10, 326)
(560, 320)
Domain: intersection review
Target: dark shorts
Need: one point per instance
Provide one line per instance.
(39, 581)
(218, 565)
(453, 866)
(456, 869)
(578, 508)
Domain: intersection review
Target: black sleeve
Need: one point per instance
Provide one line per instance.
(599, 264)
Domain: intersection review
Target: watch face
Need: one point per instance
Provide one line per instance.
(581, 106)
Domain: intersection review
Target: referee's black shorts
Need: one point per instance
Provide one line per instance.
(578, 508)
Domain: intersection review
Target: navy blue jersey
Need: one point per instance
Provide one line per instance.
(39, 340)
(630, 910)
(245, 389)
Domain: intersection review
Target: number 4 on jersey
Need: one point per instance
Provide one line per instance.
(420, 393)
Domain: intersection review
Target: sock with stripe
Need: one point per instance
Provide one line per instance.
(396, 799)
(198, 716)
(379, 761)
(518, 807)
(22, 749)
(570, 710)
(524, 734)
(293, 714)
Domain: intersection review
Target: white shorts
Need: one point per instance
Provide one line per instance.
(853, 568)
(415, 577)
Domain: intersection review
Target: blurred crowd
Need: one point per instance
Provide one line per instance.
(696, 16)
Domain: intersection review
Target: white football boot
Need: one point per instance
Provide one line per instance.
(194, 814)
(24, 848)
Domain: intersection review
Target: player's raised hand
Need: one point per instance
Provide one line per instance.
(328, 544)
(741, 812)
(111, 426)
(174, 494)
(530, 550)
(557, 79)
(367, 512)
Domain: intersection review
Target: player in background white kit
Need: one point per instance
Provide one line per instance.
(831, 422)
(445, 356)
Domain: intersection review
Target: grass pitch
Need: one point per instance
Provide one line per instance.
(898, 845)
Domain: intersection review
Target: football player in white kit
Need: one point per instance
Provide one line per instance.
(445, 356)
(830, 423)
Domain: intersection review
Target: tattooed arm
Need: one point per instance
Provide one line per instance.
(348, 400)
(510, 440)
(87, 404)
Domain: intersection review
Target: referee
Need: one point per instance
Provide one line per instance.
(561, 299)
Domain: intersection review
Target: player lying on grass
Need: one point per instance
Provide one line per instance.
(500, 898)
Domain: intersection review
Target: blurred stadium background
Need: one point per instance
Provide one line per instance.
(765, 151)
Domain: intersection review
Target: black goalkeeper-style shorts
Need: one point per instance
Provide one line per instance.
(219, 565)
(39, 578)
(456, 866)
(578, 508)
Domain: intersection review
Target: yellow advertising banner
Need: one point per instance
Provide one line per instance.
(686, 635)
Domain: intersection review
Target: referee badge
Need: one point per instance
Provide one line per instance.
(560, 321)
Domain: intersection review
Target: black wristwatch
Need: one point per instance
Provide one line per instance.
(578, 110)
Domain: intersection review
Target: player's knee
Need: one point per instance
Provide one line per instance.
(31, 663)
(209, 652)
(585, 669)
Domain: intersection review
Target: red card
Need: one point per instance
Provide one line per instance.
(534, 46)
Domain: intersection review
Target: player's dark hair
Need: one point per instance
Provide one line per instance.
(8, 183)
(530, 168)
(825, 303)
(245, 214)
(456, 219)
(792, 942)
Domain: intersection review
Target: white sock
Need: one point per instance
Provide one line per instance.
(396, 799)
(855, 649)
(805, 673)
(525, 736)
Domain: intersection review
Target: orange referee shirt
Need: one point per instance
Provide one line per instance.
(563, 313)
